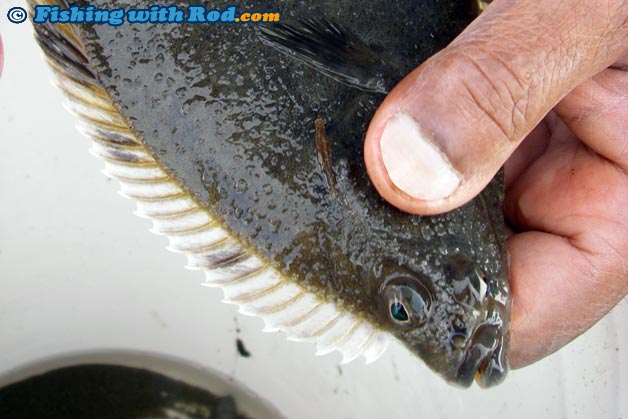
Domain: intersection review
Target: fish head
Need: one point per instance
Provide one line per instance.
(435, 294)
(456, 324)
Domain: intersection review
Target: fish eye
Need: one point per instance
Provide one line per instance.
(404, 299)
(410, 303)
(398, 312)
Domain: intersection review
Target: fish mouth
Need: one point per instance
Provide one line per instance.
(485, 358)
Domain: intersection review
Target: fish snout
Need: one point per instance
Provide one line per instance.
(485, 358)
(484, 337)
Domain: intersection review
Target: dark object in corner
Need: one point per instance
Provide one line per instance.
(110, 392)
(244, 353)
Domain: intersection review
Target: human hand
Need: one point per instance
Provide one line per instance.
(484, 101)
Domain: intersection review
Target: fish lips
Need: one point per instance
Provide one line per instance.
(485, 356)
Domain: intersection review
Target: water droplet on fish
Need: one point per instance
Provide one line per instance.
(180, 92)
(241, 185)
(426, 232)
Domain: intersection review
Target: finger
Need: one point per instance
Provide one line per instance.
(621, 63)
(559, 291)
(597, 113)
(567, 187)
(528, 151)
(572, 269)
(445, 130)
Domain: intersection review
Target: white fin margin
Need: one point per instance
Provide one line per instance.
(246, 280)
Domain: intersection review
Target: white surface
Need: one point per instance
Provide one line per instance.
(79, 272)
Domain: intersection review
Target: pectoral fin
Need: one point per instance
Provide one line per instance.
(333, 51)
(323, 152)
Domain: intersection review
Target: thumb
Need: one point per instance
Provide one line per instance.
(446, 129)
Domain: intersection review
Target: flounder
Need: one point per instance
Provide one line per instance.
(243, 144)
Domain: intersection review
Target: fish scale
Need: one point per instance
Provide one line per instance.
(212, 132)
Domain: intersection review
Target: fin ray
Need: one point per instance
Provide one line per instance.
(332, 50)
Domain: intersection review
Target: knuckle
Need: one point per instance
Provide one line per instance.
(496, 94)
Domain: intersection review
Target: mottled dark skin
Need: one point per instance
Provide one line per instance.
(233, 120)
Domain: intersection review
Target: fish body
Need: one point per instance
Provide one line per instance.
(250, 161)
